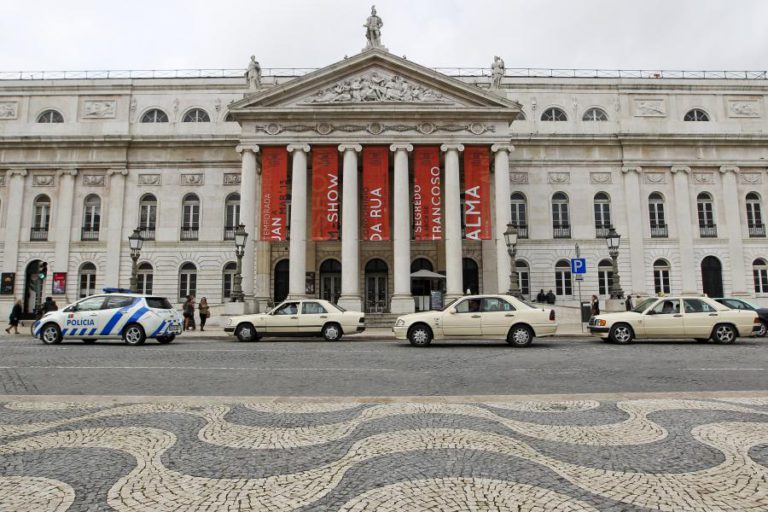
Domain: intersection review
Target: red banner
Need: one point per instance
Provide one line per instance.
(477, 193)
(427, 208)
(375, 193)
(274, 193)
(325, 193)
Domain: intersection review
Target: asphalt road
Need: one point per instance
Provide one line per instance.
(223, 367)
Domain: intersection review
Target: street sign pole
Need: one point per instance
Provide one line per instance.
(578, 284)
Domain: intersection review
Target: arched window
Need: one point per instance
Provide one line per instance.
(523, 276)
(196, 115)
(41, 218)
(228, 118)
(696, 114)
(602, 214)
(521, 116)
(595, 114)
(755, 216)
(604, 277)
(190, 220)
(154, 115)
(145, 278)
(519, 217)
(421, 288)
(656, 215)
(553, 114)
(661, 277)
(91, 218)
(470, 275)
(231, 215)
(760, 274)
(561, 221)
(228, 279)
(706, 211)
(148, 216)
(563, 283)
(187, 280)
(87, 280)
(50, 116)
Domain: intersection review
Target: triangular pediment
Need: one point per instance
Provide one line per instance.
(374, 80)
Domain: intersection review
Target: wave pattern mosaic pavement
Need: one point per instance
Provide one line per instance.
(632, 455)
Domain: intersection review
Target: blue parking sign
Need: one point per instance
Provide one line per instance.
(578, 265)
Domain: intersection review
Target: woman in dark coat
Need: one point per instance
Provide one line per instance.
(15, 317)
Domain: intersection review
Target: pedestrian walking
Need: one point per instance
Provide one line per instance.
(49, 305)
(14, 318)
(204, 312)
(595, 306)
(628, 303)
(189, 313)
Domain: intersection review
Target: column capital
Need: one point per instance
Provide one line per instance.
(122, 172)
(66, 172)
(247, 147)
(350, 147)
(680, 168)
(401, 147)
(452, 147)
(729, 168)
(16, 172)
(298, 147)
(503, 147)
(633, 168)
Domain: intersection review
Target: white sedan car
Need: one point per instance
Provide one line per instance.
(310, 317)
(473, 316)
(129, 316)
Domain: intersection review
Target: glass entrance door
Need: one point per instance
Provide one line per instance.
(375, 293)
(330, 287)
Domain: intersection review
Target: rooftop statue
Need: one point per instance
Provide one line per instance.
(253, 75)
(373, 30)
(497, 72)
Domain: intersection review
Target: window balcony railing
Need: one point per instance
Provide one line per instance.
(757, 231)
(147, 233)
(229, 232)
(189, 233)
(89, 235)
(39, 235)
(708, 231)
(659, 232)
(601, 231)
(561, 231)
(522, 231)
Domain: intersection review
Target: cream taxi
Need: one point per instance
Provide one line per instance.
(311, 317)
(700, 318)
(478, 316)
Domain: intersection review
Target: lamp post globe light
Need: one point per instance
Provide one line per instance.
(135, 241)
(613, 240)
(237, 287)
(510, 237)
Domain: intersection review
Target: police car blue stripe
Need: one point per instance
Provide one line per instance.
(138, 314)
(83, 330)
(63, 332)
(93, 331)
(112, 322)
(159, 329)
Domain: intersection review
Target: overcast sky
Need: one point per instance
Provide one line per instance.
(179, 34)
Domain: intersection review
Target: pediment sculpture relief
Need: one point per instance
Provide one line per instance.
(376, 88)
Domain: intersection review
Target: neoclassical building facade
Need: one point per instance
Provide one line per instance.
(351, 177)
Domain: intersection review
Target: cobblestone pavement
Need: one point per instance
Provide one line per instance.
(674, 454)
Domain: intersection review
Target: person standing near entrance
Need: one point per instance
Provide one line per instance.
(15, 317)
(595, 306)
(628, 303)
(204, 311)
(189, 313)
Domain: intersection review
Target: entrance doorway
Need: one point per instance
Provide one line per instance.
(330, 280)
(281, 281)
(31, 280)
(470, 276)
(421, 288)
(376, 278)
(712, 276)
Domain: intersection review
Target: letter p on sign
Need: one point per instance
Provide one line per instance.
(578, 265)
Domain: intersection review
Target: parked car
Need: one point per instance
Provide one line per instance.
(478, 316)
(313, 318)
(700, 318)
(114, 314)
(762, 313)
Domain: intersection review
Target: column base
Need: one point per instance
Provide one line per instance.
(351, 302)
(615, 305)
(402, 304)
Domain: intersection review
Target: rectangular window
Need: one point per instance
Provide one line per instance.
(87, 284)
(560, 217)
(42, 216)
(187, 284)
(604, 281)
(191, 218)
(602, 215)
(563, 285)
(657, 215)
(761, 280)
(524, 281)
(706, 216)
(233, 215)
(92, 219)
(145, 283)
(148, 217)
(228, 280)
(661, 281)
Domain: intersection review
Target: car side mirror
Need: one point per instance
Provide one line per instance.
(452, 311)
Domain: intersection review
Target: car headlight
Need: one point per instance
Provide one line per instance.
(400, 322)
(601, 323)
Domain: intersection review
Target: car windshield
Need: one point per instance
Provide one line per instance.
(445, 308)
(338, 307)
(643, 305)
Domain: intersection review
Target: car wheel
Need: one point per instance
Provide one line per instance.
(702, 340)
(622, 334)
(520, 336)
(763, 329)
(331, 332)
(724, 334)
(89, 341)
(50, 334)
(246, 332)
(420, 336)
(134, 335)
(166, 339)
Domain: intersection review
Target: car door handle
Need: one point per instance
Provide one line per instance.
(713, 314)
(323, 316)
(677, 316)
(510, 314)
(94, 314)
(294, 318)
(475, 316)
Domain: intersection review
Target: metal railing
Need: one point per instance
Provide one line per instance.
(189, 233)
(659, 232)
(601, 232)
(38, 234)
(147, 233)
(522, 231)
(708, 231)
(757, 231)
(561, 232)
(89, 235)
(229, 232)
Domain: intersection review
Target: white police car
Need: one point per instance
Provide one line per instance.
(115, 314)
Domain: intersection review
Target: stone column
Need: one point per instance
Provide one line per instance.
(688, 267)
(15, 182)
(350, 230)
(734, 227)
(116, 206)
(63, 229)
(503, 214)
(249, 199)
(402, 300)
(453, 270)
(297, 248)
(636, 235)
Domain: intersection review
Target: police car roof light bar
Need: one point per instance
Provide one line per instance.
(116, 290)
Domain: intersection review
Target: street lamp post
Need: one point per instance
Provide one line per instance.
(510, 237)
(237, 286)
(614, 240)
(135, 241)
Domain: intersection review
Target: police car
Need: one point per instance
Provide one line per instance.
(115, 314)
